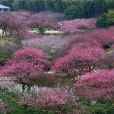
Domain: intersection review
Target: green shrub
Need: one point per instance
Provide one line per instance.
(106, 20)
(41, 29)
(5, 57)
(94, 107)
(102, 21)
(73, 12)
(100, 108)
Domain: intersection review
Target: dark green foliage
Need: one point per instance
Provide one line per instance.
(89, 10)
(100, 7)
(86, 9)
(19, 4)
(110, 4)
(94, 107)
(35, 5)
(41, 29)
(73, 12)
(54, 5)
(11, 99)
(5, 57)
(100, 108)
(106, 20)
(102, 21)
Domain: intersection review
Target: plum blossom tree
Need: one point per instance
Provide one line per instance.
(26, 64)
(77, 25)
(103, 36)
(96, 86)
(36, 23)
(45, 19)
(23, 15)
(98, 37)
(48, 16)
(80, 58)
(85, 38)
(10, 24)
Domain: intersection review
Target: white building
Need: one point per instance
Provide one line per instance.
(4, 8)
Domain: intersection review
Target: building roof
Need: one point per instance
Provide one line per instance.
(3, 7)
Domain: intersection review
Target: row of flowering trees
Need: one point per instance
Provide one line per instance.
(78, 25)
(29, 63)
(92, 87)
(21, 23)
(80, 60)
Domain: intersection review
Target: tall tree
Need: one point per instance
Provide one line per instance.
(36, 5)
(100, 7)
(20, 4)
(88, 9)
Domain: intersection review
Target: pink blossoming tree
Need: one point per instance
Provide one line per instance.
(15, 25)
(78, 25)
(10, 24)
(26, 64)
(79, 59)
(96, 86)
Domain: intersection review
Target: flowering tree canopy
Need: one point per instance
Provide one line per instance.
(12, 24)
(45, 19)
(78, 25)
(25, 64)
(97, 86)
(9, 23)
(81, 57)
(103, 36)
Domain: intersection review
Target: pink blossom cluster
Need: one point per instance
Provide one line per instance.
(26, 34)
(47, 16)
(46, 98)
(97, 86)
(88, 39)
(24, 15)
(11, 24)
(20, 23)
(81, 57)
(45, 19)
(36, 23)
(103, 36)
(26, 54)
(78, 25)
(25, 64)
(56, 43)
(98, 37)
